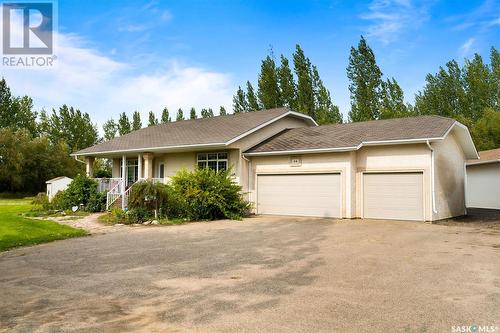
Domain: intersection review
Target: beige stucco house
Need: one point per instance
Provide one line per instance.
(483, 180)
(408, 168)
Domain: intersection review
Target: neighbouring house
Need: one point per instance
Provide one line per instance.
(483, 180)
(57, 184)
(407, 169)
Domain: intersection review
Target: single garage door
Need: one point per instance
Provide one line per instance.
(397, 196)
(299, 194)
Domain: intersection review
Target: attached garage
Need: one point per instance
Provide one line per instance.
(300, 194)
(395, 195)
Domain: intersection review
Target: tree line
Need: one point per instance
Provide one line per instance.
(469, 93)
(35, 146)
(125, 125)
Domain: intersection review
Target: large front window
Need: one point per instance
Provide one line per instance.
(214, 161)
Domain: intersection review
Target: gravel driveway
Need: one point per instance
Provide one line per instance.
(267, 274)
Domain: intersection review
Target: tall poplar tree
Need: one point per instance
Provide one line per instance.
(124, 126)
(268, 86)
(180, 115)
(239, 101)
(136, 121)
(222, 111)
(152, 119)
(392, 104)
(287, 84)
(365, 83)
(165, 116)
(109, 128)
(192, 113)
(252, 102)
(305, 91)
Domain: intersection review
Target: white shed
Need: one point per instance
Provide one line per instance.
(57, 184)
(483, 180)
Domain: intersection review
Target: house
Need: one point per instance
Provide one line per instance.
(408, 168)
(483, 180)
(57, 184)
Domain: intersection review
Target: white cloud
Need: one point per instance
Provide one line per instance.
(466, 47)
(103, 87)
(390, 18)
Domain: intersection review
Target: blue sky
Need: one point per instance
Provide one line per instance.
(116, 56)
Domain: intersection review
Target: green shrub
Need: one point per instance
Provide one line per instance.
(209, 195)
(97, 202)
(138, 215)
(148, 195)
(42, 200)
(79, 191)
(58, 201)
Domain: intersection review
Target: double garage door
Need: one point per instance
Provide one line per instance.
(397, 195)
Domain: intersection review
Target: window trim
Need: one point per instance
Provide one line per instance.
(216, 160)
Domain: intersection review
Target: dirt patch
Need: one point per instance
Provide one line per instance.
(89, 223)
(476, 218)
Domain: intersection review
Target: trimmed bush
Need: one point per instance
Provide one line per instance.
(209, 195)
(148, 195)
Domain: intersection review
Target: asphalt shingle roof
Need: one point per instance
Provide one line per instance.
(214, 130)
(353, 134)
(487, 156)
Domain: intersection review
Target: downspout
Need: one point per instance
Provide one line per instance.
(433, 190)
(465, 186)
(249, 170)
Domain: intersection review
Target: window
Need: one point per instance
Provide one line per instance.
(214, 161)
(161, 170)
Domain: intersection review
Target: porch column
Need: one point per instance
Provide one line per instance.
(139, 167)
(89, 166)
(124, 177)
(148, 165)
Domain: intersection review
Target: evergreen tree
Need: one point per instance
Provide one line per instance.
(239, 102)
(180, 115)
(305, 91)
(222, 111)
(165, 116)
(109, 128)
(287, 84)
(210, 113)
(152, 119)
(269, 91)
(252, 102)
(204, 113)
(392, 103)
(136, 121)
(123, 124)
(192, 113)
(365, 83)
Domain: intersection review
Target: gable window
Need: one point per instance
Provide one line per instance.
(214, 161)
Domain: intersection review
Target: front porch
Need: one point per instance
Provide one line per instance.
(159, 167)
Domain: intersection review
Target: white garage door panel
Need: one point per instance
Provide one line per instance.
(396, 196)
(303, 195)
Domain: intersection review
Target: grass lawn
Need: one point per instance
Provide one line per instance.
(16, 230)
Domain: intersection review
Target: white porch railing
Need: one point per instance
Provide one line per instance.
(114, 192)
(106, 184)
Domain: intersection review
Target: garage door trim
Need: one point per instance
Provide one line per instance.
(386, 171)
(291, 173)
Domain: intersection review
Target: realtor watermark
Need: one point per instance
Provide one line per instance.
(28, 34)
(475, 329)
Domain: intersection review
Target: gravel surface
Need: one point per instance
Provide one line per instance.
(265, 274)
